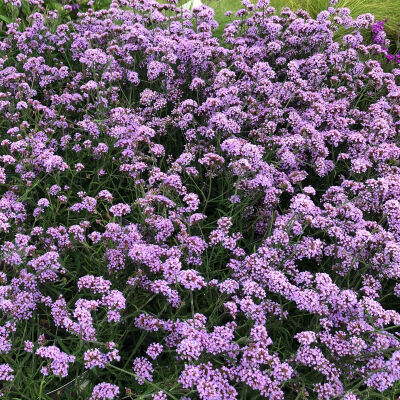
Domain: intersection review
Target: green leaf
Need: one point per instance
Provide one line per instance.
(25, 8)
(7, 20)
(54, 5)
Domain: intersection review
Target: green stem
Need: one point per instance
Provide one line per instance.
(150, 383)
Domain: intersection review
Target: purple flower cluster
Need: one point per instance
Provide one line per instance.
(379, 38)
(59, 360)
(187, 217)
(104, 391)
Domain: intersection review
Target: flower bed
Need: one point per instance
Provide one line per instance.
(188, 218)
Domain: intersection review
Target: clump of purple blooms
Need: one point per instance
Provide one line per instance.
(379, 37)
(187, 217)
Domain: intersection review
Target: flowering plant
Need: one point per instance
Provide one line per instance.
(184, 218)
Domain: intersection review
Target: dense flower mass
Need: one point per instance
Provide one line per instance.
(187, 217)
